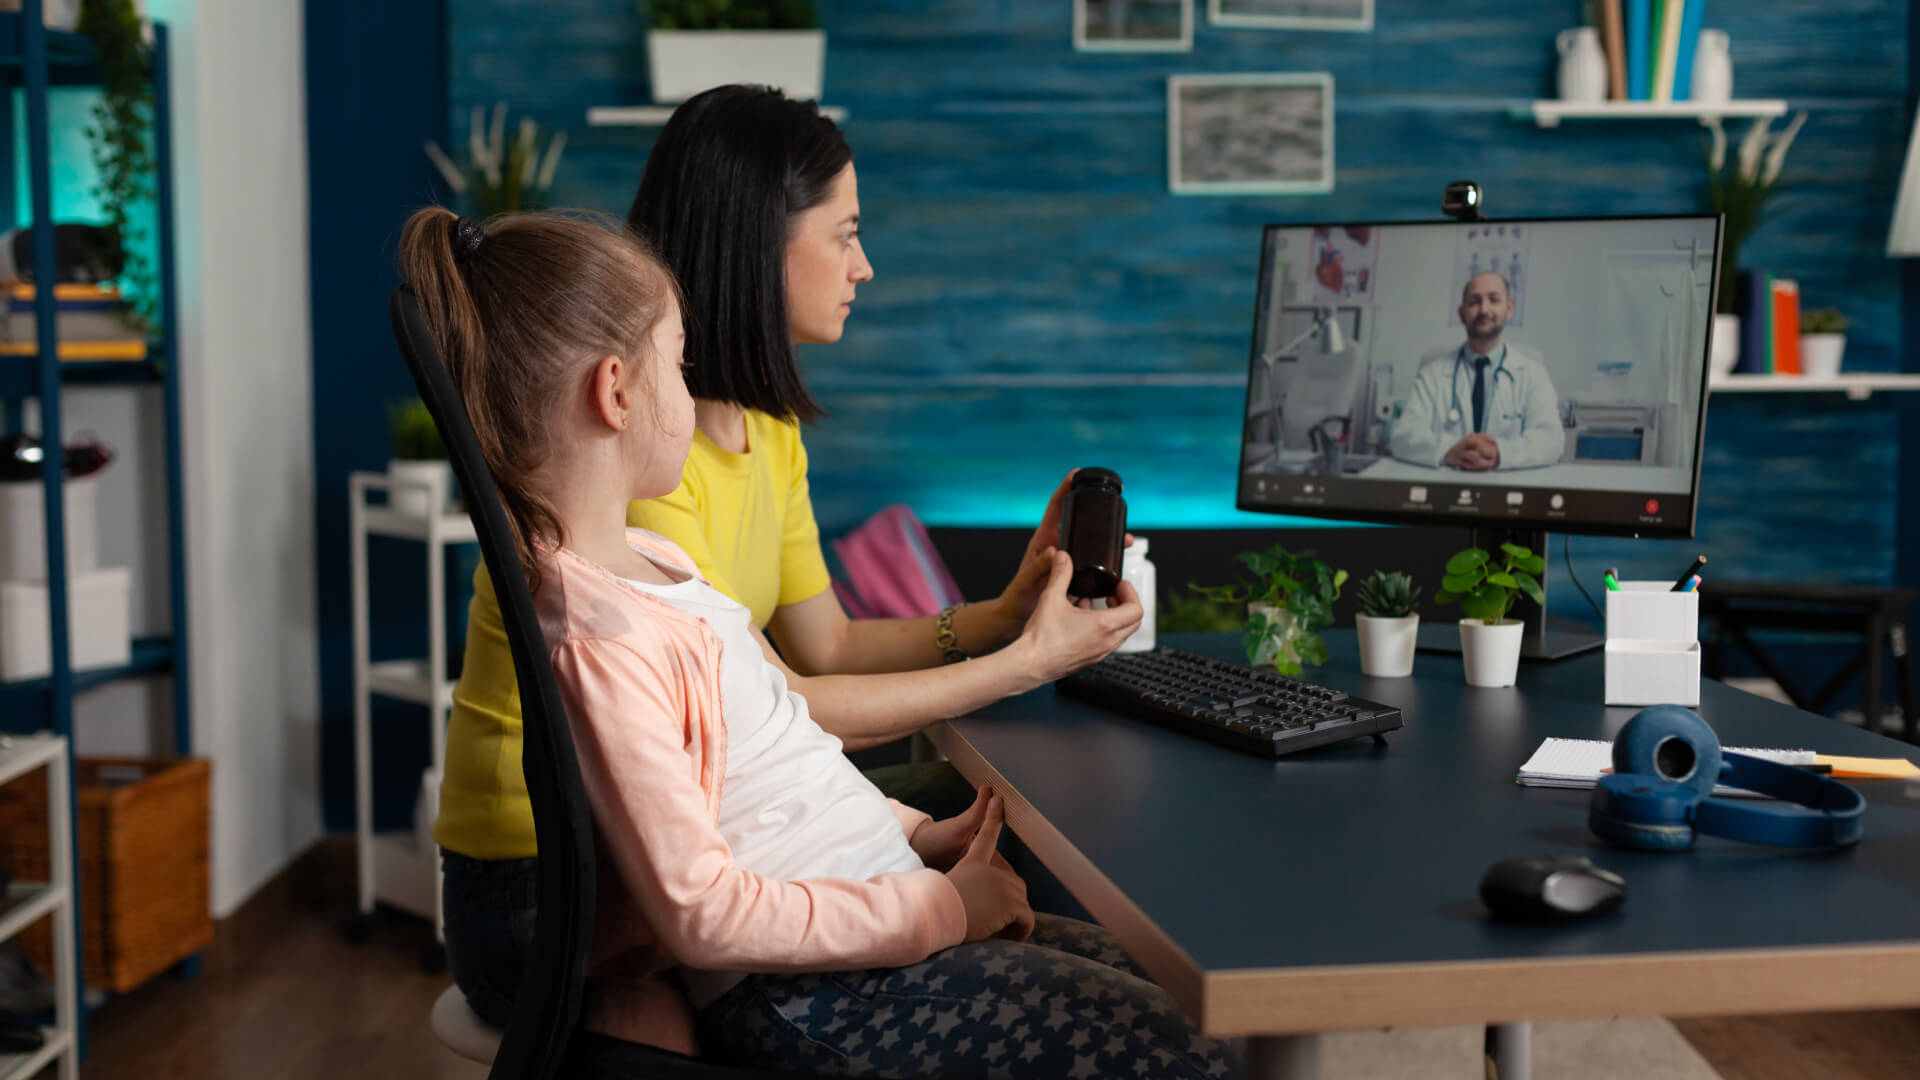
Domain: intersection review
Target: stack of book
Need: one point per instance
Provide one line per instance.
(1650, 46)
(1769, 325)
(92, 322)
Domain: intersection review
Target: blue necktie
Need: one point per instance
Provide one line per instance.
(1480, 392)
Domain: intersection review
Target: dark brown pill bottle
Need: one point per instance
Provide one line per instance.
(1093, 530)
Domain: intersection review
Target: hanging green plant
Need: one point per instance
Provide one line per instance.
(121, 154)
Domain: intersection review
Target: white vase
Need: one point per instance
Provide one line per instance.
(1820, 354)
(1712, 68)
(1276, 645)
(1491, 653)
(1583, 66)
(418, 488)
(1725, 354)
(1386, 645)
(683, 63)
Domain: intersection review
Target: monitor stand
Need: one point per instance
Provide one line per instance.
(1545, 638)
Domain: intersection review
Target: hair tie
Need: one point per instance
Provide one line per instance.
(467, 234)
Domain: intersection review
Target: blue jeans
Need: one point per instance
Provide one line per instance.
(488, 905)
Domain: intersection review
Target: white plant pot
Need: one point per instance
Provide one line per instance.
(1276, 645)
(1386, 645)
(418, 488)
(1725, 355)
(683, 63)
(1820, 354)
(1491, 653)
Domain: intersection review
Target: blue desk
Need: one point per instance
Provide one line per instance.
(1337, 889)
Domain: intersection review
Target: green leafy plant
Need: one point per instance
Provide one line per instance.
(1387, 596)
(731, 14)
(1824, 320)
(118, 140)
(1300, 588)
(415, 436)
(499, 177)
(1487, 586)
(1191, 613)
(1740, 189)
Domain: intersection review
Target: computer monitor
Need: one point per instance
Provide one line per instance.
(1524, 375)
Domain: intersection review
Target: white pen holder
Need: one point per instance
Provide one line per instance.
(1653, 645)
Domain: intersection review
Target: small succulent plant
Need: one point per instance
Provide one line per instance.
(1388, 596)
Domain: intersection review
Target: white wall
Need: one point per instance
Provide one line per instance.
(246, 410)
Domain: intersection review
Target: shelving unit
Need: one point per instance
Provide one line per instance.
(1549, 113)
(391, 868)
(656, 115)
(27, 902)
(35, 59)
(1858, 387)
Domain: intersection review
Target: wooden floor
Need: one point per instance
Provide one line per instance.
(282, 994)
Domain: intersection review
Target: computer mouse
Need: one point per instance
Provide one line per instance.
(1550, 888)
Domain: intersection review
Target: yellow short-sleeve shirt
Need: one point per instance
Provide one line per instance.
(747, 522)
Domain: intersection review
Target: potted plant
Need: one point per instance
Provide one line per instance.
(1487, 586)
(118, 138)
(1289, 600)
(418, 472)
(1823, 338)
(500, 178)
(1388, 624)
(1740, 190)
(695, 45)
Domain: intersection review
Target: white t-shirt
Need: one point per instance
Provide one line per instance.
(792, 807)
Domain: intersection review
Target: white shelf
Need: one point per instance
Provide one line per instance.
(21, 753)
(454, 528)
(1549, 113)
(408, 680)
(656, 115)
(25, 1066)
(1858, 387)
(26, 903)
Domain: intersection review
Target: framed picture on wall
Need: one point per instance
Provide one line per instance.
(1292, 14)
(1255, 134)
(1133, 25)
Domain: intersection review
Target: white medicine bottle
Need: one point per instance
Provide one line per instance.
(1137, 570)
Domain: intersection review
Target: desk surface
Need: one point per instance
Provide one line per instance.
(1338, 888)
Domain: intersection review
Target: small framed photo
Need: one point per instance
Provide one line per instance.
(1133, 25)
(1292, 14)
(1255, 134)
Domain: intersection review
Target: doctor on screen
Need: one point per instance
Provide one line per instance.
(1486, 404)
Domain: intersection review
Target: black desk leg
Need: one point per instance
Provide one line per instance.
(1876, 647)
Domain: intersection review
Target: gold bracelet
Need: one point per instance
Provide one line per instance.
(945, 638)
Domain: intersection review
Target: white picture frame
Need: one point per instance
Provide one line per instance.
(1087, 35)
(1253, 150)
(1292, 14)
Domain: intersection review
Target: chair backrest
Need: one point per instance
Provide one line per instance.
(890, 569)
(546, 1008)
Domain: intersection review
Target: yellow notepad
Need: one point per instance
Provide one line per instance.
(1869, 768)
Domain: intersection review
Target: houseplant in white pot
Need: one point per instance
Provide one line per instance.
(696, 45)
(418, 471)
(1289, 601)
(1823, 338)
(1389, 626)
(1487, 586)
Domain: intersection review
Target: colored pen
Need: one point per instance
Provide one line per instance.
(1612, 578)
(1681, 585)
(1693, 584)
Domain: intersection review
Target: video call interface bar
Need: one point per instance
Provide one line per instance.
(1472, 502)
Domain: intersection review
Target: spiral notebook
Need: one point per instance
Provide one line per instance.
(1579, 763)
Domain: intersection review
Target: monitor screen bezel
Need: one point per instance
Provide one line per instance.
(1676, 530)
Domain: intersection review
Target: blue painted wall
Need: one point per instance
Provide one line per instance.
(1043, 302)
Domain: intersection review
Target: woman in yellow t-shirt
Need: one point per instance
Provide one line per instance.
(751, 199)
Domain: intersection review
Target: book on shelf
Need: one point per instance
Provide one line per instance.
(1689, 44)
(90, 322)
(1613, 38)
(1755, 302)
(1639, 37)
(1784, 316)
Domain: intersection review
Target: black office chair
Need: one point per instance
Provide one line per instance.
(542, 1039)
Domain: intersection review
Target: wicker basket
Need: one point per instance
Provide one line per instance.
(144, 837)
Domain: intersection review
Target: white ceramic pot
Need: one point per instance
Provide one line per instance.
(1276, 645)
(1712, 68)
(1820, 354)
(1583, 66)
(1386, 645)
(683, 63)
(419, 488)
(1725, 354)
(1491, 653)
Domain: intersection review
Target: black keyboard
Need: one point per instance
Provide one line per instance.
(1259, 711)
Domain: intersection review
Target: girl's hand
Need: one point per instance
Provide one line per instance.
(994, 896)
(940, 844)
(1061, 637)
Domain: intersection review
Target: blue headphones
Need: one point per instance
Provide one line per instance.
(1666, 762)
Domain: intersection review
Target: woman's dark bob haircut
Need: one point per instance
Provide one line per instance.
(730, 170)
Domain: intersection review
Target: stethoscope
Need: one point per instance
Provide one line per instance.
(1454, 414)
